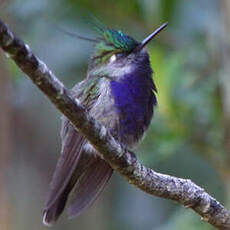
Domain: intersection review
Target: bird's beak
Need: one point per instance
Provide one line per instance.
(150, 37)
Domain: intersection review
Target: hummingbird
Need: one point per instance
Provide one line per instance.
(119, 92)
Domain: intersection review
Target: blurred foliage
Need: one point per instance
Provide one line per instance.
(181, 220)
(186, 137)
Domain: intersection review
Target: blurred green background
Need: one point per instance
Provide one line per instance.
(189, 136)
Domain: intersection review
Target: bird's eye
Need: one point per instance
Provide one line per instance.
(119, 55)
(116, 56)
(113, 58)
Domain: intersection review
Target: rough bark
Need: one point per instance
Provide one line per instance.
(125, 162)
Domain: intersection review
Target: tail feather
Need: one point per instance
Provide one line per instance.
(86, 184)
(52, 213)
(89, 187)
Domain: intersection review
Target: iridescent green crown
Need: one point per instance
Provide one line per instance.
(113, 39)
(119, 40)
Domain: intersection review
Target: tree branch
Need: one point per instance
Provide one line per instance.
(125, 162)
